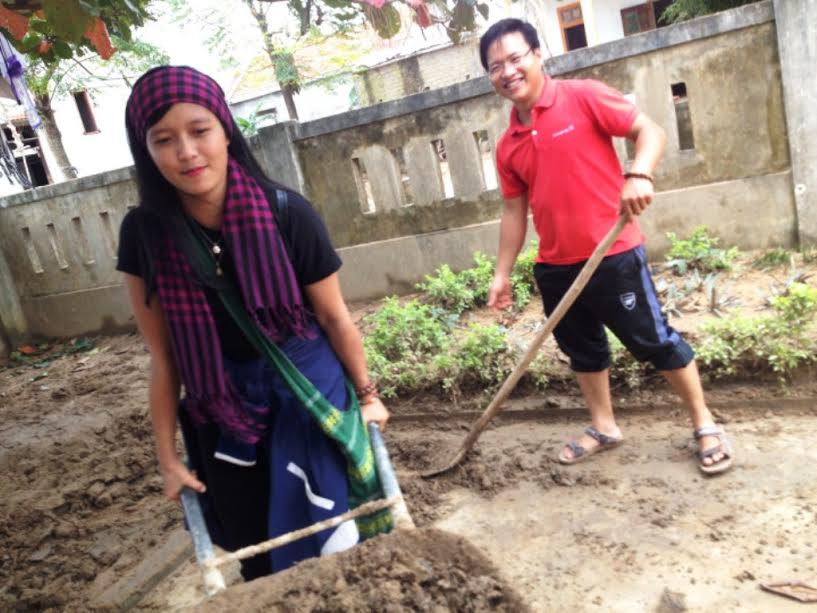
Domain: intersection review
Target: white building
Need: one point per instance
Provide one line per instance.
(565, 25)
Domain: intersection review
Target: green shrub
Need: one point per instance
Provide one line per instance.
(797, 307)
(700, 251)
(481, 355)
(522, 282)
(479, 277)
(458, 292)
(401, 342)
(625, 367)
(781, 342)
(448, 289)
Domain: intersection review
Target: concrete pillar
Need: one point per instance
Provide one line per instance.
(277, 154)
(796, 22)
(384, 177)
(464, 162)
(423, 171)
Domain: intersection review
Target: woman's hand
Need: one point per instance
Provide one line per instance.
(372, 409)
(175, 476)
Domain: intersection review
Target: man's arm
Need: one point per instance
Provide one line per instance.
(649, 139)
(512, 229)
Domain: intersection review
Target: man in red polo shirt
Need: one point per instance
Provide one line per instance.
(556, 160)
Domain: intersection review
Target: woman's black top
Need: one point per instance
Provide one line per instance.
(310, 250)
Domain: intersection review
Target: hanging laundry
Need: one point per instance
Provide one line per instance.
(12, 69)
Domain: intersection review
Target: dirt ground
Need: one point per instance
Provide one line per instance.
(637, 528)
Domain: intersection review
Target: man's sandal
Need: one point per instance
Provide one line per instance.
(580, 453)
(723, 447)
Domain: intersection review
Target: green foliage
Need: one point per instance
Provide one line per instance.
(625, 367)
(401, 343)
(781, 342)
(797, 307)
(58, 32)
(448, 290)
(479, 356)
(522, 280)
(681, 10)
(458, 292)
(700, 252)
(58, 79)
(249, 125)
(385, 20)
(286, 72)
(541, 371)
(773, 258)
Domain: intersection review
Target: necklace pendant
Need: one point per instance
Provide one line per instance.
(216, 249)
(219, 272)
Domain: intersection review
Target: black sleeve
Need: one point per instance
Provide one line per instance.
(128, 258)
(307, 240)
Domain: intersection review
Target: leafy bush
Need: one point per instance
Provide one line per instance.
(401, 342)
(448, 290)
(625, 367)
(700, 251)
(479, 356)
(522, 281)
(458, 292)
(480, 276)
(780, 342)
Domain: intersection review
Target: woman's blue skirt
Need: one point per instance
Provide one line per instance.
(293, 478)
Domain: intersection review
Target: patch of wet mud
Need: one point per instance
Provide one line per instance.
(416, 570)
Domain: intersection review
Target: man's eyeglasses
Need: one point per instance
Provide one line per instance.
(514, 60)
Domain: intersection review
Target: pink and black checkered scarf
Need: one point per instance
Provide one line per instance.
(265, 276)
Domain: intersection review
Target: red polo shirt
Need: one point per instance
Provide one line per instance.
(566, 164)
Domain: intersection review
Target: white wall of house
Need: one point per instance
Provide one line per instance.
(315, 100)
(602, 20)
(106, 149)
(607, 19)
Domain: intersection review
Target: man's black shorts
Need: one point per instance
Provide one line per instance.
(621, 296)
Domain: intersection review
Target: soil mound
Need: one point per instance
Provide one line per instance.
(417, 570)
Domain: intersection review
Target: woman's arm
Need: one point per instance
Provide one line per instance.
(163, 388)
(333, 317)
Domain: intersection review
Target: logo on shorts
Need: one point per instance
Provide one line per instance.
(628, 300)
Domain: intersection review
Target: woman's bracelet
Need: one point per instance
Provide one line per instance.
(370, 389)
(638, 175)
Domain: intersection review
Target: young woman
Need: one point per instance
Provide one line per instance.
(211, 231)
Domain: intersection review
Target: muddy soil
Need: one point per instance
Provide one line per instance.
(419, 570)
(81, 504)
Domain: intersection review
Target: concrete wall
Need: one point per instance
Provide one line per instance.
(423, 71)
(797, 40)
(398, 208)
(731, 71)
(58, 244)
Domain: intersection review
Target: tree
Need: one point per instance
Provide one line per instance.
(50, 80)
(66, 42)
(681, 10)
(315, 18)
(53, 30)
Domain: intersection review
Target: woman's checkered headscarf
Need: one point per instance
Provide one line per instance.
(167, 85)
(265, 277)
